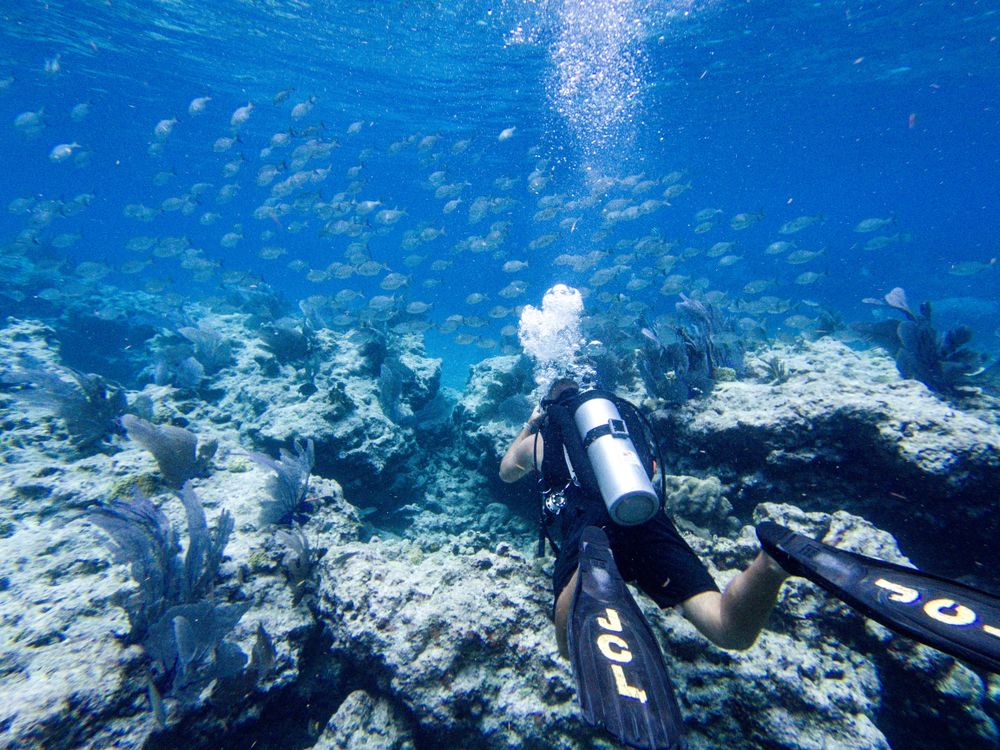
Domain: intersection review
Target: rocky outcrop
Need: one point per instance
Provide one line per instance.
(844, 431)
(493, 408)
(441, 637)
(331, 396)
(366, 722)
(461, 639)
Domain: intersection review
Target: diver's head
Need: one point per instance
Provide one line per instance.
(561, 386)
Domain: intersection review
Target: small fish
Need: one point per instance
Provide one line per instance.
(417, 307)
(20, 206)
(809, 277)
(389, 216)
(720, 248)
(231, 239)
(635, 284)
(513, 266)
(223, 144)
(506, 134)
(393, 280)
(778, 247)
(164, 128)
(271, 252)
(707, 214)
(971, 267)
(799, 223)
(675, 191)
(369, 268)
(799, 321)
(230, 169)
(140, 244)
(62, 152)
(197, 106)
(355, 127)
(705, 226)
(802, 256)
(381, 302)
(728, 260)
(603, 276)
(742, 221)
(282, 96)
(92, 271)
(241, 115)
(30, 123)
(543, 241)
(302, 109)
(758, 286)
(80, 111)
(513, 289)
(873, 225)
(475, 298)
(317, 275)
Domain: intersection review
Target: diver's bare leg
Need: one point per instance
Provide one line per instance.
(563, 604)
(734, 618)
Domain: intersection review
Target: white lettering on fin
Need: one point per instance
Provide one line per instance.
(629, 691)
(962, 615)
(900, 593)
(613, 623)
(607, 643)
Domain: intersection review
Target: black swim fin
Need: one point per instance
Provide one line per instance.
(621, 678)
(952, 617)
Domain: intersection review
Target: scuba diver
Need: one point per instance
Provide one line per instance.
(597, 482)
(662, 563)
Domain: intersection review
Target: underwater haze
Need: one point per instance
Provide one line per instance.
(773, 110)
(309, 229)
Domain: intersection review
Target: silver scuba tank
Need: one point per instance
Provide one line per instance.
(621, 477)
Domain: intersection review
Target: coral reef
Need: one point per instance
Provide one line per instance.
(87, 404)
(176, 449)
(290, 483)
(942, 363)
(845, 432)
(415, 615)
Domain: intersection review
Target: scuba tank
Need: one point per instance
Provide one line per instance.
(602, 456)
(621, 477)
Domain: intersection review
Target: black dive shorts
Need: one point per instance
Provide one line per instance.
(653, 554)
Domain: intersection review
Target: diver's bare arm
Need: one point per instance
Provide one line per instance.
(520, 456)
(518, 460)
(734, 618)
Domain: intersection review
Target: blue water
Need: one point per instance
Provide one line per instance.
(838, 109)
